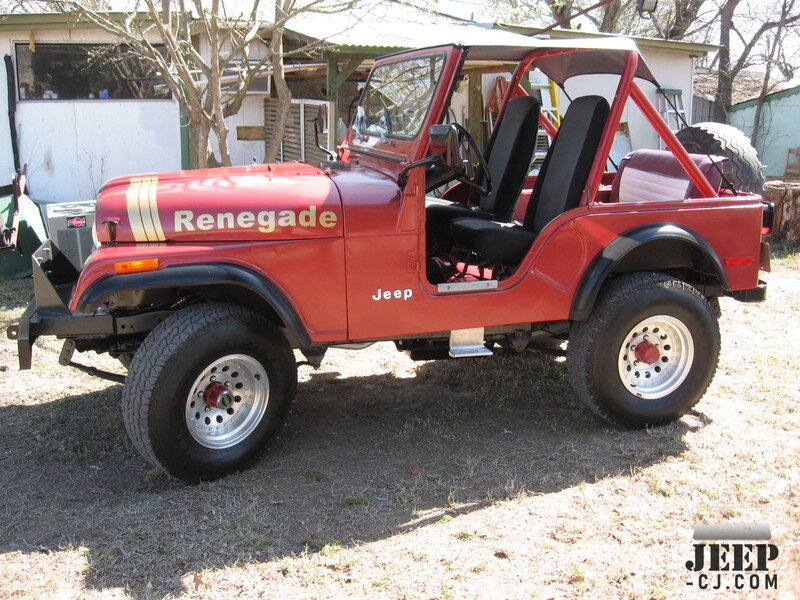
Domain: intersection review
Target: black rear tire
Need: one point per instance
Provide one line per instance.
(595, 351)
(744, 171)
(163, 381)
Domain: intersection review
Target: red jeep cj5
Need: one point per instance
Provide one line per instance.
(204, 281)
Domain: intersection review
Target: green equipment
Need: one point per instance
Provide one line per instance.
(22, 230)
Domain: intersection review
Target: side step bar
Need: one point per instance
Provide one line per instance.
(468, 342)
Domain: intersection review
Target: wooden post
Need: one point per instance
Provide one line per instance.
(475, 105)
(335, 80)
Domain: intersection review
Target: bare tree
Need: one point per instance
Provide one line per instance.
(605, 18)
(561, 10)
(616, 16)
(772, 57)
(610, 16)
(674, 20)
(729, 69)
(210, 82)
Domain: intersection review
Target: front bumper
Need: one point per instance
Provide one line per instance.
(36, 322)
(54, 276)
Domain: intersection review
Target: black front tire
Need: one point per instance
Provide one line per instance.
(167, 366)
(595, 344)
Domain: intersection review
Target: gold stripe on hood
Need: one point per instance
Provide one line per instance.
(142, 207)
(154, 210)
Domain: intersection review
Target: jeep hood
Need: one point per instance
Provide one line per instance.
(255, 203)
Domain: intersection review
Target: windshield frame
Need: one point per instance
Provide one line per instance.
(400, 59)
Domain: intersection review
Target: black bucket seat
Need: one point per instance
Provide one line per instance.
(508, 155)
(558, 187)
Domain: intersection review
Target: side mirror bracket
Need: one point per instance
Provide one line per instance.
(317, 143)
(402, 178)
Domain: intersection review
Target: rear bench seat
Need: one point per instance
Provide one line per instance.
(656, 175)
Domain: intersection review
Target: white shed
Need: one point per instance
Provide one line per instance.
(73, 145)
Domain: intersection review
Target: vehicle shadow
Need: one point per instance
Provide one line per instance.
(363, 458)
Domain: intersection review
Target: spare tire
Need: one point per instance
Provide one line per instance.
(744, 171)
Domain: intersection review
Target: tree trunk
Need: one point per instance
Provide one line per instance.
(785, 196)
(722, 99)
(219, 125)
(685, 15)
(200, 152)
(561, 10)
(611, 15)
(765, 84)
(284, 97)
(760, 103)
(221, 129)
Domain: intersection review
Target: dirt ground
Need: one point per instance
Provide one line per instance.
(394, 479)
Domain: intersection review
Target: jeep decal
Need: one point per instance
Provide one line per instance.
(382, 294)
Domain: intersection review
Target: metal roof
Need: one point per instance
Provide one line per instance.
(675, 46)
(393, 26)
(768, 98)
(378, 24)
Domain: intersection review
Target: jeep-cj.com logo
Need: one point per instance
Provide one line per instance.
(733, 556)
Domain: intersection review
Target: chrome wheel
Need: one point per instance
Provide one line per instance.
(227, 401)
(655, 357)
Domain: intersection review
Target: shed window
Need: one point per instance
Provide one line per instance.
(85, 72)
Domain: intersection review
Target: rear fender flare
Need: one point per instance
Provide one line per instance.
(201, 276)
(621, 246)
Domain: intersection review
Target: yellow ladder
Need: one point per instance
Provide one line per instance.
(548, 90)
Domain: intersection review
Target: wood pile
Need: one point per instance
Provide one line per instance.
(785, 195)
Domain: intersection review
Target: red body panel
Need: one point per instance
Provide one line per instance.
(374, 202)
(544, 285)
(309, 272)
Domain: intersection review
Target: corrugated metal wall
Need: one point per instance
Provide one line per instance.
(298, 139)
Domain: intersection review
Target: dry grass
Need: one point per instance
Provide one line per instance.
(787, 254)
(451, 479)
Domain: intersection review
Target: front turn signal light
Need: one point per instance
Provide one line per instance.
(140, 264)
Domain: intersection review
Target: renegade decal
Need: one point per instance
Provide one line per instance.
(265, 220)
(389, 294)
(143, 210)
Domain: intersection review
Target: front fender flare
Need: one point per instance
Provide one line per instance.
(200, 275)
(623, 244)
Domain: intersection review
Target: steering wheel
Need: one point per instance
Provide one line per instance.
(477, 178)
